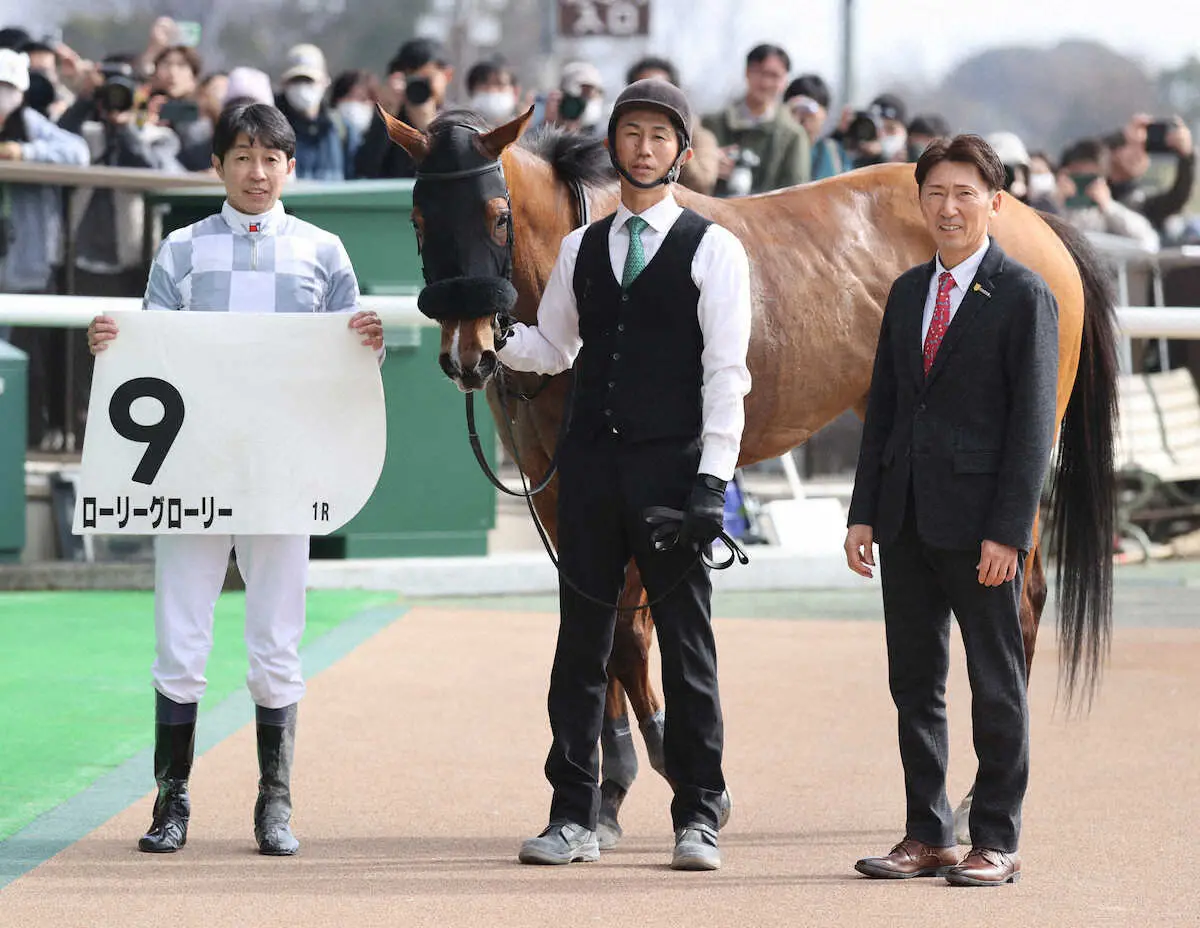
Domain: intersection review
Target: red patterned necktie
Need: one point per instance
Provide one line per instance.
(940, 320)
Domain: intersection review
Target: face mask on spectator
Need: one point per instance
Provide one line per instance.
(494, 105)
(357, 114)
(892, 145)
(304, 96)
(1042, 184)
(10, 99)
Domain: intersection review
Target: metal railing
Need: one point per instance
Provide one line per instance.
(1131, 261)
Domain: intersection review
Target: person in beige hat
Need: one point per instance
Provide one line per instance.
(320, 134)
(578, 104)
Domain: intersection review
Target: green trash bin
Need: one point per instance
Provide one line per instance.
(431, 499)
(14, 385)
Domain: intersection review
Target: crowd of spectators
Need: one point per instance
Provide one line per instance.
(156, 109)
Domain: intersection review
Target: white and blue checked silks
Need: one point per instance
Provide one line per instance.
(231, 262)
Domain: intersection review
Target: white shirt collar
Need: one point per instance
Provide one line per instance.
(265, 224)
(964, 272)
(659, 217)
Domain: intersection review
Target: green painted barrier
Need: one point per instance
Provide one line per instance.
(14, 384)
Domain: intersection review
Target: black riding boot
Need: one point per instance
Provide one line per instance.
(174, 746)
(273, 811)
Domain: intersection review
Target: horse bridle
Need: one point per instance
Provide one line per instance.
(666, 522)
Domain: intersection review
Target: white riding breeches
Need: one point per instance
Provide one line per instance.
(189, 572)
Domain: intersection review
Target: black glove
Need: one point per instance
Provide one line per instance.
(704, 517)
(502, 328)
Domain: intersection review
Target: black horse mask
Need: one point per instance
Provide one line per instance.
(468, 274)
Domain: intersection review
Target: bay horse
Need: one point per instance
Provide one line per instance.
(823, 257)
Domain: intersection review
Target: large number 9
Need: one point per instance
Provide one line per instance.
(158, 437)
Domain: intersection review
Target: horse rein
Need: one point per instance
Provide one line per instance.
(583, 211)
(667, 525)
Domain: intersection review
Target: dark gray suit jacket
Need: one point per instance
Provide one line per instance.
(974, 437)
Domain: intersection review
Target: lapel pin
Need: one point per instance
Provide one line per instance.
(978, 289)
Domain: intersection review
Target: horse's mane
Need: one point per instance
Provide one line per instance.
(574, 157)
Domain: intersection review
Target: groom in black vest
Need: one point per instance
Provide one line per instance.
(652, 306)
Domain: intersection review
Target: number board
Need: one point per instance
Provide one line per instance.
(230, 423)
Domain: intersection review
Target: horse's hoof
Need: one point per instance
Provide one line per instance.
(653, 728)
(608, 833)
(962, 822)
(724, 809)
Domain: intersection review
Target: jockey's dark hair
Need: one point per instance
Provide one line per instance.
(263, 124)
(963, 149)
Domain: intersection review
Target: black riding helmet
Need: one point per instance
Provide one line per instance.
(659, 95)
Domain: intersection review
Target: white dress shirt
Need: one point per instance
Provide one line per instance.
(963, 273)
(720, 271)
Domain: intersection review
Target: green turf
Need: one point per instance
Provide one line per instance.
(75, 693)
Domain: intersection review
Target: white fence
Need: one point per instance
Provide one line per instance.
(77, 311)
(1182, 322)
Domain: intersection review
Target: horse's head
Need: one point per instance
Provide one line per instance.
(463, 221)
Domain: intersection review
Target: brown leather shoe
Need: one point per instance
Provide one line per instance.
(909, 858)
(985, 866)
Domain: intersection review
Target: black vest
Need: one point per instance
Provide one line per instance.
(639, 373)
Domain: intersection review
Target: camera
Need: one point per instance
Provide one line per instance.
(1156, 136)
(418, 90)
(741, 178)
(118, 93)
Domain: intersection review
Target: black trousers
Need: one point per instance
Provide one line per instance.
(921, 586)
(604, 486)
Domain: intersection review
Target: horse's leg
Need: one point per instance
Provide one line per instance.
(1033, 601)
(628, 673)
(618, 764)
(630, 664)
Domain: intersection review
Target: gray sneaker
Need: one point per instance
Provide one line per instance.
(561, 843)
(696, 848)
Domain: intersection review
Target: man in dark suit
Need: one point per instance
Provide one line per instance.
(956, 442)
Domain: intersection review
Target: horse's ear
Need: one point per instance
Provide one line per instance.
(413, 141)
(494, 142)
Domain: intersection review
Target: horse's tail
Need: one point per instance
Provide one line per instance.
(1083, 493)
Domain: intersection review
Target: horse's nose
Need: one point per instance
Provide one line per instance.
(476, 378)
(449, 366)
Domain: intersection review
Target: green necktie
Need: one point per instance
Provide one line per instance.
(635, 259)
